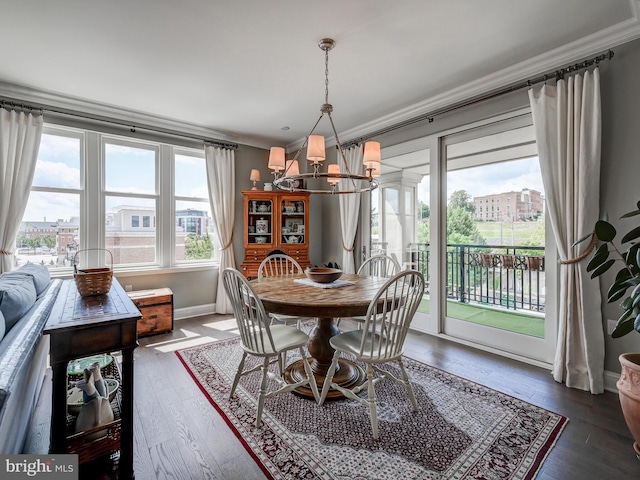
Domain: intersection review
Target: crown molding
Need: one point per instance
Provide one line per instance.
(578, 50)
(48, 99)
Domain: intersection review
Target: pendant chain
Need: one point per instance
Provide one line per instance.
(326, 76)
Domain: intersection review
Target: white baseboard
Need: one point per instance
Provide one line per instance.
(610, 380)
(196, 311)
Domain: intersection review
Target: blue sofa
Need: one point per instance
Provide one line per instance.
(27, 296)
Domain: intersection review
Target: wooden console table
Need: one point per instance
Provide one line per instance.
(83, 326)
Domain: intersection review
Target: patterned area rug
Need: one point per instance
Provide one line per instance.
(462, 430)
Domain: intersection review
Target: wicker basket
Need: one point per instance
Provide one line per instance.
(84, 444)
(93, 281)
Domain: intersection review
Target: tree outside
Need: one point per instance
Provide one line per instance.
(198, 248)
(48, 241)
(461, 228)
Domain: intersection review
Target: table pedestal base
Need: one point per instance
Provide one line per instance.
(348, 375)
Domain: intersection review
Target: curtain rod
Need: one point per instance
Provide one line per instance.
(557, 74)
(12, 103)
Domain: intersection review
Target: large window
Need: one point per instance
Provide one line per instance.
(130, 194)
(146, 202)
(49, 233)
(194, 226)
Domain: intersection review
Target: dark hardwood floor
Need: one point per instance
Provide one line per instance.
(179, 435)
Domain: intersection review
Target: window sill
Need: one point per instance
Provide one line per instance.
(155, 270)
(137, 271)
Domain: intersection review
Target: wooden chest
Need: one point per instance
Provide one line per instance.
(156, 307)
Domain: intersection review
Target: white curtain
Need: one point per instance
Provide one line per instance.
(20, 134)
(221, 178)
(567, 122)
(349, 209)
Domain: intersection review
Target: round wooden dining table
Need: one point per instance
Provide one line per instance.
(283, 295)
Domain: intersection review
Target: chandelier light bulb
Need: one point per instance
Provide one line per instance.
(315, 148)
(371, 152)
(276, 159)
(333, 169)
(292, 168)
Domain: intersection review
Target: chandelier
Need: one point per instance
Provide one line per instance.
(339, 179)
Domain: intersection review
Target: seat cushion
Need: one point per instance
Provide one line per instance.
(39, 273)
(350, 342)
(17, 296)
(284, 338)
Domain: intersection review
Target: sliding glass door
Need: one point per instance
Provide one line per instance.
(495, 264)
(466, 208)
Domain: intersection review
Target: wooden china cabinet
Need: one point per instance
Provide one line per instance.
(274, 220)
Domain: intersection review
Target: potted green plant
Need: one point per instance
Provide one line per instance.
(626, 289)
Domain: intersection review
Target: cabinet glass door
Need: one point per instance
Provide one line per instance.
(292, 226)
(260, 221)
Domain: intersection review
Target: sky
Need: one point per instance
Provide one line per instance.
(130, 170)
(500, 177)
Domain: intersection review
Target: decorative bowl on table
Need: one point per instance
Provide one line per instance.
(323, 274)
(74, 395)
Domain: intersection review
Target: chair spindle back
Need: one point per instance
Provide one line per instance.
(278, 264)
(390, 314)
(251, 317)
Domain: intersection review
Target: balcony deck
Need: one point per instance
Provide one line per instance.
(513, 321)
(495, 285)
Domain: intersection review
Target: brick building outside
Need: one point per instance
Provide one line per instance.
(509, 206)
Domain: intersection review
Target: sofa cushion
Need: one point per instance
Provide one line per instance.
(17, 296)
(2, 325)
(40, 274)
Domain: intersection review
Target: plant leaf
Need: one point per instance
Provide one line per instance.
(623, 274)
(589, 235)
(599, 257)
(636, 324)
(617, 291)
(622, 329)
(632, 257)
(624, 317)
(602, 268)
(626, 304)
(604, 231)
(631, 214)
(632, 235)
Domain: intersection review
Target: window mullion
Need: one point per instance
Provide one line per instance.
(164, 206)
(92, 201)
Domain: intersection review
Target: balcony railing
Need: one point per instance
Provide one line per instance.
(510, 277)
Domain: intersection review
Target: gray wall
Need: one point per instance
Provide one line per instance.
(181, 284)
(620, 173)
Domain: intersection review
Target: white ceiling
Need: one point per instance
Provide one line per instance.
(241, 70)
